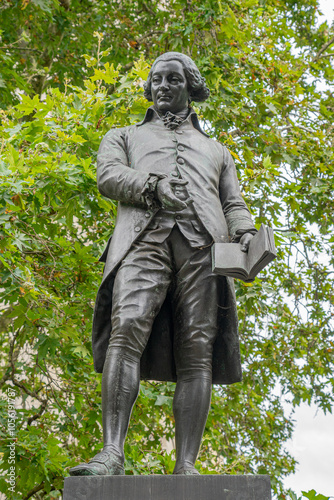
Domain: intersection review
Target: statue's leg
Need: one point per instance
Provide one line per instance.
(191, 406)
(195, 320)
(140, 288)
(120, 387)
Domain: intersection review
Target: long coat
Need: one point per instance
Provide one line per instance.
(127, 158)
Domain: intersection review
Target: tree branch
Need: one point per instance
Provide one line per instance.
(4, 378)
(330, 54)
(323, 48)
(47, 374)
(148, 35)
(236, 132)
(297, 126)
(39, 413)
(33, 394)
(148, 9)
(128, 66)
(10, 47)
(12, 359)
(65, 3)
(37, 488)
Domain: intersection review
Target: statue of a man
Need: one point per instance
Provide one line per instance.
(161, 313)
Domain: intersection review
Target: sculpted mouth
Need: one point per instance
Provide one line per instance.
(165, 97)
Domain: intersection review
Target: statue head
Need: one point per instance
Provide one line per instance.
(196, 87)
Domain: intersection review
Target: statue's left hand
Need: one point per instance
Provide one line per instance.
(245, 241)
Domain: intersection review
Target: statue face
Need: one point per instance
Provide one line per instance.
(169, 87)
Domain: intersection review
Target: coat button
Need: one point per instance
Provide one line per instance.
(137, 229)
(180, 160)
(180, 147)
(147, 214)
(178, 217)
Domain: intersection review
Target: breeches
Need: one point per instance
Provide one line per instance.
(145, 276)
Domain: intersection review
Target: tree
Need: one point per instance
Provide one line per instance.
(263, 62)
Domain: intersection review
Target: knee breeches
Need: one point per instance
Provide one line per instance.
(146, 275)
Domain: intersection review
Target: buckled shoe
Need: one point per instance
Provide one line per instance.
(104, 463)
(186, 470)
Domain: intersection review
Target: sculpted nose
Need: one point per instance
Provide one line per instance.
(164, 85)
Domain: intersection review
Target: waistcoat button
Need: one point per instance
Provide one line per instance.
(137, 229)
(180, 160)
(180, 147)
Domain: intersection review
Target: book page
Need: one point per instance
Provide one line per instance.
(230, 257)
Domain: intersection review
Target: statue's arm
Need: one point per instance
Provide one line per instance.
(115, 177)
(238, 217)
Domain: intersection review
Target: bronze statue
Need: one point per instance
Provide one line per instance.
(161, 313)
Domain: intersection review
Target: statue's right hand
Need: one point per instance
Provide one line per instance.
(166, 194)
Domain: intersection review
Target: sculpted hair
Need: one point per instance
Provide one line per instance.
(197, 88)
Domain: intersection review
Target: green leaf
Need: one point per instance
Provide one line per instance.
(312, 495)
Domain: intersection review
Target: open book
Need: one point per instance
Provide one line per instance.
(229, 260)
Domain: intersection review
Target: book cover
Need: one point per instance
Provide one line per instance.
(229, 260)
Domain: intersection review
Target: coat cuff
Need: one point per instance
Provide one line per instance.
(148, 193)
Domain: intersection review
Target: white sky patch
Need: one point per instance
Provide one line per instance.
(313, 447)
(327, 10)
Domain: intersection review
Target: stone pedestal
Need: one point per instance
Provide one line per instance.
(156, 487)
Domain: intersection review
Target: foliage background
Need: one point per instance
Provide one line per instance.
(70, 70)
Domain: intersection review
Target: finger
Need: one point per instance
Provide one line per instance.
(246, 238)
(175, 203)
(180, 206)
(171, 201)
(244, 242)
(179, 182)
(177, 206)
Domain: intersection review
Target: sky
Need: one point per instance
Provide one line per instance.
(327, 8)
(312, 446)
(313, 441)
